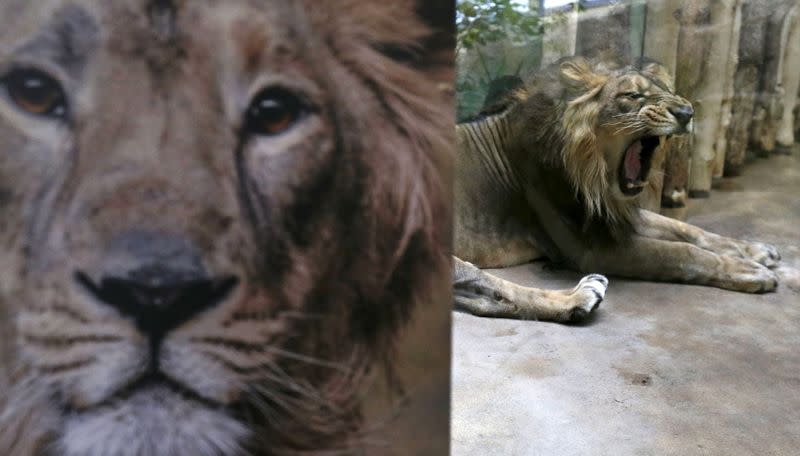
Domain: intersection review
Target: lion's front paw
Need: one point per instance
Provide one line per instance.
(587, 296)
(763, 253)
(748, 276)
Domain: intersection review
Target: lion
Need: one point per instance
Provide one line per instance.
(216, 219)
(557, 174)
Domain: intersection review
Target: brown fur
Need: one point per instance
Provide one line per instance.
(582, 117)
(335, 231)
(546, 177)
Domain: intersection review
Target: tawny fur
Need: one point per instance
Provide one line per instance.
(337, 230)
(544, 175)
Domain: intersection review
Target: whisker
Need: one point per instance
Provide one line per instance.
(287, 380)
(308, 359)
(246, 346)
(289, 405)
(60, 368)
(269, 371)
(65, 340)
(264, 408)
(61, 310)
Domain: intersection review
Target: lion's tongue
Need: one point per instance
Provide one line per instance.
(633, 162)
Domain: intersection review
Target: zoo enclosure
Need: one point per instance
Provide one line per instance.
(737, 61)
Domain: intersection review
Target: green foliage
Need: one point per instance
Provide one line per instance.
(483, 22)
(485, 30)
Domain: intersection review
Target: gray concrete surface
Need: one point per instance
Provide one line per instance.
(663, 369)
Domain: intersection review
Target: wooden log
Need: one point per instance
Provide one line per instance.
(797, 119)
(663, 29)
(720, 140)
(768, 109)
(693, 17)
(746, 83)
(661, 44)
(560, 32)
(790, 81)
(715, 32)
(603, 29)
(676, 176)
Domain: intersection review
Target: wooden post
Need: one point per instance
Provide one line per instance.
(715, 31)
(677, 154)
(768, 103)
(661, 44)
(746, 83)
(692, 17)
(605, 28)
(797, 119)
(663, 29)
(720, 141)
(638, 24)
(560, 33)
(790, 80)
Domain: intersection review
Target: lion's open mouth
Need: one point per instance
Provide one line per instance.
(635, 166)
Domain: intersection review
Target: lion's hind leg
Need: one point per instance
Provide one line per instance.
(485, 295)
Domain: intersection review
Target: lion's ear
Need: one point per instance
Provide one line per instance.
(579, 73)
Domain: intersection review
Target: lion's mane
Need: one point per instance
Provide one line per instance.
(559, 112)
(390, 239)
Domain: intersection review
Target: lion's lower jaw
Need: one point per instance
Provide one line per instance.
(152, 424)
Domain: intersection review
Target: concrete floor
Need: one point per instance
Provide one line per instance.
(663, 369)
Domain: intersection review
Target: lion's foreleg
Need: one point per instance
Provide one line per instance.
(659, 227)
(669, 261)
(483, 294)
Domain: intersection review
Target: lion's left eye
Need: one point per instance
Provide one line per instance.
(35, 92)
(273, 111)
(633, 95)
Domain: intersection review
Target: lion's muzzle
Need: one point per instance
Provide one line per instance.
(158, 282)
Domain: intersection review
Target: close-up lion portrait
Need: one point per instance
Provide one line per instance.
(555, 171)
(218, 220)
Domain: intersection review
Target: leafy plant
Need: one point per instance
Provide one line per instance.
(481, 22)
(482, 27)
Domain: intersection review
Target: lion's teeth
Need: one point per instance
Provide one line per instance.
(630, 185)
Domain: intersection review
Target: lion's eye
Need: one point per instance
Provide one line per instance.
(633, 95)
(35, 92)
(273, 111)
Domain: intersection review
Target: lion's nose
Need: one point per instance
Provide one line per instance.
(157, 304)
(157, 279)
(683, 114)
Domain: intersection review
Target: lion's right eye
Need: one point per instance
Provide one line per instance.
(273, 111)
(35, 92)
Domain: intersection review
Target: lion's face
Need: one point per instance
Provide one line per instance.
(639, 109)
(200, 232)
(611, 120)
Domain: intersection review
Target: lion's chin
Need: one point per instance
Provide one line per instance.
(153, 421)
(634, 167)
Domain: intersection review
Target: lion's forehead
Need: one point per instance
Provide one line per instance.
(638, 83)
(654, 90)
(233, 34)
